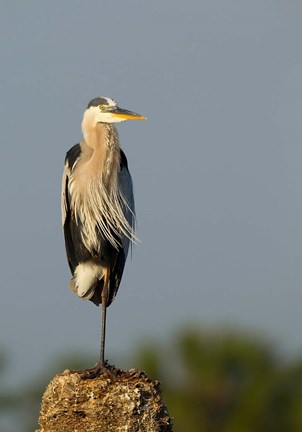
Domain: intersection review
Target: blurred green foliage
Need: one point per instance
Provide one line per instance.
(213, 381)
(220, 381)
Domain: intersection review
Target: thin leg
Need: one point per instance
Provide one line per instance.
(101, 366)
(105, 293)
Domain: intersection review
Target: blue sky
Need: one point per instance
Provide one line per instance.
(216, 168)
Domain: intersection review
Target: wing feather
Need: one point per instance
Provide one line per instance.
(126, 188)
(64, 207)
(71, 157)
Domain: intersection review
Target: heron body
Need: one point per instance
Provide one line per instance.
(98, 214)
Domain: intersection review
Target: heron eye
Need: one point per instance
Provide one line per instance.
(102, 107)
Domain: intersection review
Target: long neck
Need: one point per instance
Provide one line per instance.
(96, 194)
(103, 140)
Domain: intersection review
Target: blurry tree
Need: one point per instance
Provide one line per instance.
(283, 411)
(226, 382)
(213, 381)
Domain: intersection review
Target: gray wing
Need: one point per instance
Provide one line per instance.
(64, 205)
(126, 188)
(71, 157)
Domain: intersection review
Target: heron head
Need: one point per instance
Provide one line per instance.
(106, 110)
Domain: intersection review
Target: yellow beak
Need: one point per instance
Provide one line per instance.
(127, 115)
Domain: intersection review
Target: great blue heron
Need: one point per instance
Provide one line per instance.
(98, 212)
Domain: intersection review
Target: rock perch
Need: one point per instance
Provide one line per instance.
(124, 401)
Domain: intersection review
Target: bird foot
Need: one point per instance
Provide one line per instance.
(97, 370)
